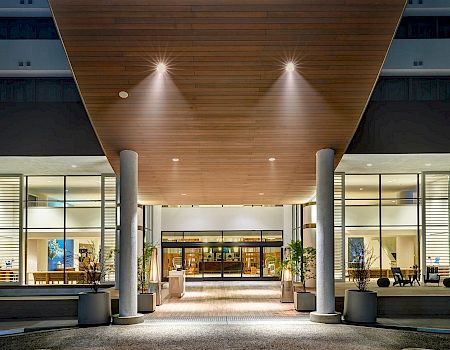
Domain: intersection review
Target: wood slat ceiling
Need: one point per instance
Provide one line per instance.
(226, 105)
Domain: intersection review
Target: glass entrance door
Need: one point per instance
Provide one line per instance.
(232, 262)
(193, 262)
(211, 266)
(251, 261)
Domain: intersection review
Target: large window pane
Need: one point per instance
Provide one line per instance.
(212, 262)
(203, 236)
(168, 236)
(83, 188)
(361, 187)
(241, 236)
(232, 262)
(271, 236)
(400, 248)
(45, 256)
(192, 262)
(172, 260)
(271, 259)
(357, 237)
(251, 262)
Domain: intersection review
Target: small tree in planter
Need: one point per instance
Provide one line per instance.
(305, 263)
(146, 300)
(360, 305)
(94, 308)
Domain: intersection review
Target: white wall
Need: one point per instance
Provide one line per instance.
(228, 218)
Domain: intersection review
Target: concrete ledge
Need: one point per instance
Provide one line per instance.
(325, 318)
(128, 320)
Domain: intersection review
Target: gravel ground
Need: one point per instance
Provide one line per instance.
(207, 336)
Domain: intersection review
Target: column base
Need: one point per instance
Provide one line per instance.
(325, 318)
(127, 320)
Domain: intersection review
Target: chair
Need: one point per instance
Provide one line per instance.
(432, 275)
(398, 277)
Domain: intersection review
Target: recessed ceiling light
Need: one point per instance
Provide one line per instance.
(361, 188)
(175, 159)
(369, 164)
(184, 194)
(272, 159)
(290, 66)
(428, 164)
(123, 94)
(261, 193)
(74, 166)
(161, 68)
(49, 181)
(393, 201)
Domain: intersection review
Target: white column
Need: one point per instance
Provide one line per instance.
(117, 252)
(128, 240)
(325, 298)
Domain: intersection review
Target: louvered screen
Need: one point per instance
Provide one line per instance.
(437, 221)
(10, 207)
(338, 226)
(109, 223)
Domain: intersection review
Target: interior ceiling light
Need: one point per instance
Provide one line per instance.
(428, 164)
(261, 193)
(361, 188)
(290, 66)
(161, 68)
(74, 166)
(272, 159)
(175, 159)
(123, 94)
(369, 164)
(183, 194)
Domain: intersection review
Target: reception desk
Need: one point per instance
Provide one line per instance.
(216, 266)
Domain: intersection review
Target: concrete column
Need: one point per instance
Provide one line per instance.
(128, 240)
(117, 252)
(325, 298)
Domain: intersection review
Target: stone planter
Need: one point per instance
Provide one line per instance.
(360, 307)
(287, 292)
(146, 302)
(94, 309)
(304, 301)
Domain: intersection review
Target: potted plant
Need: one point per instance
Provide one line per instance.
(360, 305)
(305, 262)
(94, 307)
(146, 300)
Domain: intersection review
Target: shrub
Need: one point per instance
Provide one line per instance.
(447, 282)
(383, 282)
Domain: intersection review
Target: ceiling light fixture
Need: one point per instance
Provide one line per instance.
(361, 188)
(428, 164)
(369, 164)
(175, 160)
(123, 94)
(73, 166)
(161, 67)
(184, 194)
(290, 66)
(261, 193)
(272, 159)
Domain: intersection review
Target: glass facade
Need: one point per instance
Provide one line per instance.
(222, 254)
(65, 221)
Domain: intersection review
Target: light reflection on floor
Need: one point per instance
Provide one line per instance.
(223, 298)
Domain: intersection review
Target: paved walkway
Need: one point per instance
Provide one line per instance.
(225, 335)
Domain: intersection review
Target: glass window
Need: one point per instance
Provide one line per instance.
(212, 262)
(251, 262)
(172, 236)
(361, 187)
(444, 27)
(172, 260)
(203, 236)
(241, 236)
(269, 236)
(424, 89)
(192, 262)
(45, 256)
(271, 261)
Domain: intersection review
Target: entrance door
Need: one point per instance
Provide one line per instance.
(232, 262)
(251, 262)
(211, 266)
(193, 262)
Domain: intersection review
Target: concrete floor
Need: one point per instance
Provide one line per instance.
(242, 335)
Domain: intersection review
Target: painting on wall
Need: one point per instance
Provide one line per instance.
(56, 254)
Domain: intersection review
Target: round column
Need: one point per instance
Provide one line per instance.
(325, 296)
(128, 240)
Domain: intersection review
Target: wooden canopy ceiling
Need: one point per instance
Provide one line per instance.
(226, 105)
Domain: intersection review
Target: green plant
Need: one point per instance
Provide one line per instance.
(383, 282)
(446, 282)
(144, 266)
(299, 261)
